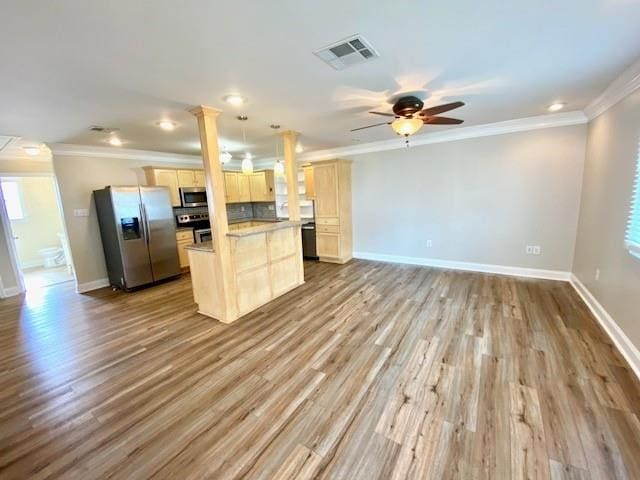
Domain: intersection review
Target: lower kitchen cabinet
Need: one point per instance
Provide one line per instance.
(184, 239)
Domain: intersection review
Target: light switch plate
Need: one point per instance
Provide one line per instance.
(81, 212)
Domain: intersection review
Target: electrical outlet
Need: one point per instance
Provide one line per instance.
(242, 208)
(533, 249)
(429, 244)
(597, 275)
(271, 207)
(81, 212)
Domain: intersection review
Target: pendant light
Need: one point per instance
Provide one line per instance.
(278, 167)
(247, 163)
(225, 156)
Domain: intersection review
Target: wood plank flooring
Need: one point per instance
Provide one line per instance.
(368, 371)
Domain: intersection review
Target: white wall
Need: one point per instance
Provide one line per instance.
(42, 220)
(479, 200)
(612, 151)
(77, 178)
(7, 167)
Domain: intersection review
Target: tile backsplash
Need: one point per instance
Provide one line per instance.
(237, 211)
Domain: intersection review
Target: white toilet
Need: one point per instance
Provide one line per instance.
(52, 256)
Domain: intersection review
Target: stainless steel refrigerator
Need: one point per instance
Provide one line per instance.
(138, 233)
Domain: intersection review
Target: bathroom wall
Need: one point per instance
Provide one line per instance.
(42, 220)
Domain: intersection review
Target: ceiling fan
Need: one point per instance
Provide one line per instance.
(410, 117)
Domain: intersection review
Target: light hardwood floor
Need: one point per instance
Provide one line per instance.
(368, 371)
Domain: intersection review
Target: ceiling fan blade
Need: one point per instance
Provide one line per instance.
(369, 126)
(441, 121)
(383, 113)
(428, 112)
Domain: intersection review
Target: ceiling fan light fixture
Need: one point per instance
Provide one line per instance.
(406, 126)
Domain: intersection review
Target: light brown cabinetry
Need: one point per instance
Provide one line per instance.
(331, 187)
(164, 177)
(231, 187)
(262, 186)
(190, 178)
(309, 188)
(255, 187)
(184, 238)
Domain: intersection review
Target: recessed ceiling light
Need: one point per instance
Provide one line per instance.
(115, 142)
(167, 125)
(554, 107)
(235, 100)
(31, 150)
(299, 148)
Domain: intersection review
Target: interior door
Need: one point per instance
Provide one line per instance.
(131, 236)
(161, 232)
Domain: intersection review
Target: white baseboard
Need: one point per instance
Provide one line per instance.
(471, 267)
(619, 338)
(11, 292)
(94, 285)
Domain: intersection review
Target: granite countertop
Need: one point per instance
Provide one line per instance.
(201, 247)
(242, 220)
(274, 225)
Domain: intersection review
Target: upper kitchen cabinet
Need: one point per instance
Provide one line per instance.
(332, 195)
(262, 186)
(309, 187)
(164, 177)
(191, 178)
(255, 187)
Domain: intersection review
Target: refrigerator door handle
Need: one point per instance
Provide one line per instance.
(145, 225)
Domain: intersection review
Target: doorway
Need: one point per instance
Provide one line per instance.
(36, 228)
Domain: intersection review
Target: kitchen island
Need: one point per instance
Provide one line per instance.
(266, 262)
(241, 269)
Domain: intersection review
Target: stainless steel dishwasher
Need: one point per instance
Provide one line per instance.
(309, 240)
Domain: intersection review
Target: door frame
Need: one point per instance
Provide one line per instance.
(8, 232)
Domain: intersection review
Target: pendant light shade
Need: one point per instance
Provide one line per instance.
(278, 169)
(225, 157)
(407, 126)
(247, 164)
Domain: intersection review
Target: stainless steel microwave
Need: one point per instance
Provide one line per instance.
(193, 197)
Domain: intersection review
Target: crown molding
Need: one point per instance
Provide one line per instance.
(620, 88)
(453, 134)
(70, 150)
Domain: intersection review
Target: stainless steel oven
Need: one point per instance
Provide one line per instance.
(202, 235)
(193, 197)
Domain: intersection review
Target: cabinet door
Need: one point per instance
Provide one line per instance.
(244, 188)
(199, 178)
(186, 178)
(168, 178)
(231, 187)
(270, 186)
(325, 180)
(309, 189)
(257, 186)
(327, 244)
(183, 255)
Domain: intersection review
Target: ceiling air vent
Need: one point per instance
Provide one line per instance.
(101, 129)
(347, 52)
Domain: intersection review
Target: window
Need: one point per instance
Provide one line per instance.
(632, 239)
(12, 200)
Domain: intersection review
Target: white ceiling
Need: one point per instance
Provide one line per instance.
(127, 64)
